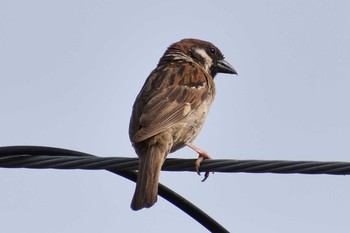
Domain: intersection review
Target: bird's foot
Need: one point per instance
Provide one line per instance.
(202, 155)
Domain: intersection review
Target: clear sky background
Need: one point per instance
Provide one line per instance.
(70, 71)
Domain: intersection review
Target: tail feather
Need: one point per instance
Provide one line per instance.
(147, 179)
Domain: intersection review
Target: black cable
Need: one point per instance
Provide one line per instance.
(48, 157)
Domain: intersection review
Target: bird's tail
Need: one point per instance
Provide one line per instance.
(147, 178)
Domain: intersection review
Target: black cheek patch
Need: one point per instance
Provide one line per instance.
(199, 59)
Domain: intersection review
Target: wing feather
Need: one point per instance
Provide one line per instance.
(169, 98)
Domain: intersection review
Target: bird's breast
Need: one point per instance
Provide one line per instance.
(188, 129)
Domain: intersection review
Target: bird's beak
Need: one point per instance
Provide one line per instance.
(225, 67)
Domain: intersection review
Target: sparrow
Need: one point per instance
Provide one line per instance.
(170, 110)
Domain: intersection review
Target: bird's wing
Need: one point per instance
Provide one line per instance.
(170, 94)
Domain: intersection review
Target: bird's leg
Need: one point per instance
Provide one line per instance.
(202, 155)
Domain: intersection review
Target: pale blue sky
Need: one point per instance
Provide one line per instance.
(70, 71)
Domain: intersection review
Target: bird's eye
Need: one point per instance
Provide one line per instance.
(212, 50)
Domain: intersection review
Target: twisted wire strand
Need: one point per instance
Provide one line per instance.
(42, 158)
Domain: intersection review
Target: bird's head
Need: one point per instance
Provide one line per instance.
(204, 53)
